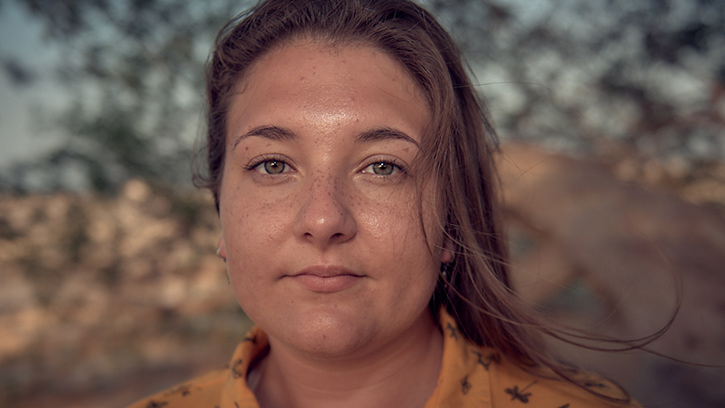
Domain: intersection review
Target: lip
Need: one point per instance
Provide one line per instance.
(326, 279)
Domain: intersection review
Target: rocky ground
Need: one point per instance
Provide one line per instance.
(611, 254)
(106, 299)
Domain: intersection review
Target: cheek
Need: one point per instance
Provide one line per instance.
(398, 236)
(250, 229)
(250, 221)
(247, 239)
(393, 223)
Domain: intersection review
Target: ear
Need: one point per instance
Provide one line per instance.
(222, 249)
(447, 251)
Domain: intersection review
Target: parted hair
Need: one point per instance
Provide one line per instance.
(457, 149)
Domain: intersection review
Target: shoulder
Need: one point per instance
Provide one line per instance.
(201, 392)
(511, 384)
(474, 375)
(221, 387)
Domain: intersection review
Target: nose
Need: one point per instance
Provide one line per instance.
(324, 217)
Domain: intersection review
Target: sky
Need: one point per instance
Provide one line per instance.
(23, 131)
(25, 126)
(26, 113)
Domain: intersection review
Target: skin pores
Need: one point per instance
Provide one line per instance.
(319, 210)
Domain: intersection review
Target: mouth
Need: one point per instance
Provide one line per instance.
(326, 279)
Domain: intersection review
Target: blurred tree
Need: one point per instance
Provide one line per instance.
(649, 73)
(134, 70)
(646, 73)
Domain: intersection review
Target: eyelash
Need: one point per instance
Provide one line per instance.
(402, 169)
(252, 165)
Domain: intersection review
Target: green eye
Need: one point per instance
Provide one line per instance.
(383, 168)
(274, 167)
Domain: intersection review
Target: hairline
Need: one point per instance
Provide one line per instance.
(326, 41)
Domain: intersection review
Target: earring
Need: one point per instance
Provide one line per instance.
(445, 268)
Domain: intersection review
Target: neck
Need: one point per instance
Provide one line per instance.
(402, 373)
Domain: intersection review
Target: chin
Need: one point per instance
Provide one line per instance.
(329, 333)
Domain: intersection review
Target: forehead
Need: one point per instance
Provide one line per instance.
(327, 82)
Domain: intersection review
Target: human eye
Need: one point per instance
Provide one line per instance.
(269, 165)
(384, 167)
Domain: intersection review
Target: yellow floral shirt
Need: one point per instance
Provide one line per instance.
(471, 376)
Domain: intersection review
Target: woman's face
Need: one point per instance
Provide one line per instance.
(319, 211)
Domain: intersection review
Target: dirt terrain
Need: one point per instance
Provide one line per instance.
(107, 299)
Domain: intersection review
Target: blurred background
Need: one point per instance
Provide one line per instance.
(611, 116)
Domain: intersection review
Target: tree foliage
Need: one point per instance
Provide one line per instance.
(134, 70)
(645, 73)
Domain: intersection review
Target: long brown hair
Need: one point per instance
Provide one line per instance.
(457, 149)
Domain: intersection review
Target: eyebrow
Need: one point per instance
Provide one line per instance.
(267, 132)
(281, 134)
(385, 134)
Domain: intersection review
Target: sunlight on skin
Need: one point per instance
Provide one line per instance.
(326, 255)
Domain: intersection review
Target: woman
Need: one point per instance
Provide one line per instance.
(350, 163)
